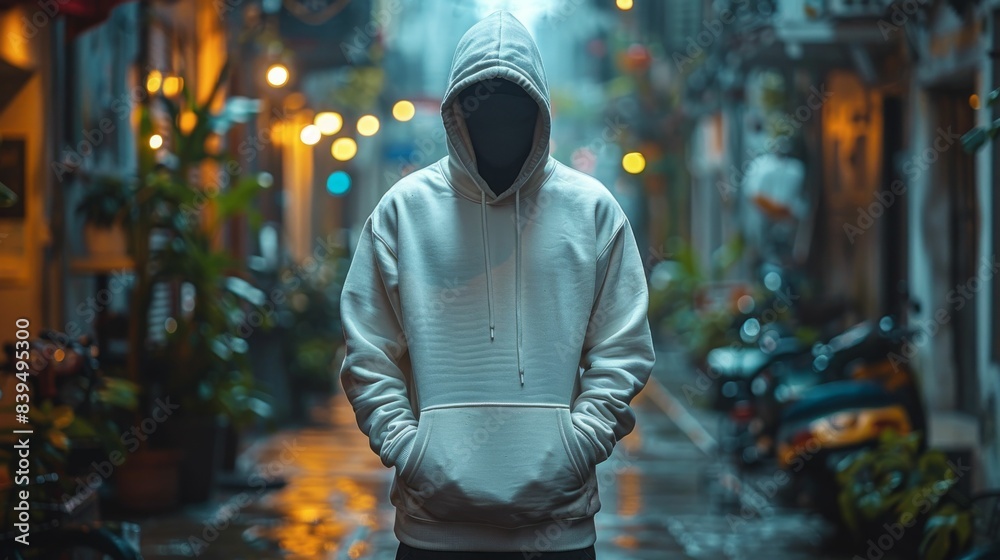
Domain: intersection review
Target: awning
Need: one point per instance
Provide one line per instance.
(80, 14)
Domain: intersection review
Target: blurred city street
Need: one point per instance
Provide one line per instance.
(244, 243)
(662, 495)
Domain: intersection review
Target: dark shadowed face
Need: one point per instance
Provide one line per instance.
(500, 117)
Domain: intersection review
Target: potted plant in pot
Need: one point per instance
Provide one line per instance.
(105, 209)
(197, 359)
(204, 361)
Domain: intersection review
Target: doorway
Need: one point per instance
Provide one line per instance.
(956, 178)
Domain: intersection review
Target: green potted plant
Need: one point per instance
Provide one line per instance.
(898, 489)
(201, 359)
(105, 210)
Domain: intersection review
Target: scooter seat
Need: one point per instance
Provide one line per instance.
(835, 396)
(738, 363)
(734, 363)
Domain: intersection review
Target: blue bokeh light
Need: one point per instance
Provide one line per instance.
(338, 183)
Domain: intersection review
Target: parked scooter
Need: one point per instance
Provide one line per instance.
(850, 394)
(762, 341)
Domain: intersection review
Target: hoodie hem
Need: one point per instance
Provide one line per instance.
(552, 536)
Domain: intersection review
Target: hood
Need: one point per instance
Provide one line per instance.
(498, 46)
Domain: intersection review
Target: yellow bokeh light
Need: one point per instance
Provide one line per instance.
(172, 85)
(634, 162)
(974, 101)
(187, 121)
(277, 75)
(344, 148)
(624, 4)
(368, 125)
(213, 144)
(153, 81)
(310, 134)
(295, 101)
(155, 141)
(329, 122)
(403, 110)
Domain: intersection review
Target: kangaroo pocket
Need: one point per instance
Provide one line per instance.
(507, 466)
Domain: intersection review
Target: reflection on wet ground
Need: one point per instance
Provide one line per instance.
(660, 494)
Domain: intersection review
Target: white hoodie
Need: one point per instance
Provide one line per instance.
(494, 343)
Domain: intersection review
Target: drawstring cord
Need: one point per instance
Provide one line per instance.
(489, 269)
(489, 273)
(517, 296)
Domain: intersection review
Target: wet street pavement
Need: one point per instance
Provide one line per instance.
(663, 496)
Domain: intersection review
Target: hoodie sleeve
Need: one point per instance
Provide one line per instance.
(376, 346)
(618, 348)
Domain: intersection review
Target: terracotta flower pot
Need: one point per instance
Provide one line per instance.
(105, 242)
(148, 480)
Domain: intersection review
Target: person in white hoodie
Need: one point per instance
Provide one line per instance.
(495, 319)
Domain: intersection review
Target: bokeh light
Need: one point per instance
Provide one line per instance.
(153, 81)
(172, 85)
(403, 110)
(277, 75)
(344, 148)
(329, 122)
(338, 183)
(368, 125)
(634, 162)
(310, 134)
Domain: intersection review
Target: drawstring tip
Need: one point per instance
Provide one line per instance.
(491, 334)
(522, 378)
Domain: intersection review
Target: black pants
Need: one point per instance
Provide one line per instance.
(405, 552)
